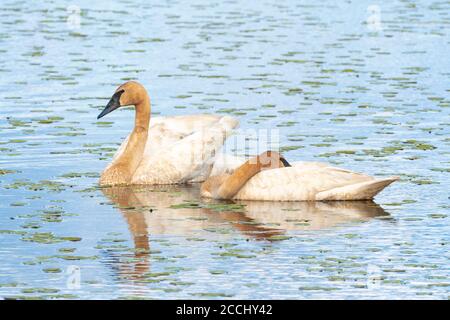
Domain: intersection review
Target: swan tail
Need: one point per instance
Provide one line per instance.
(366, 190)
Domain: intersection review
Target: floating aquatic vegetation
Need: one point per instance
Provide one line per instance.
(15, 232)
(218, 207)
(278, 238)
(43, 185)
(48, 238)
(18, 204)
(40, 290)
(50, 120)
(5, 171)
(52, 270)
(212, 295)
(290, 148)
(71, 175)
(76, 258)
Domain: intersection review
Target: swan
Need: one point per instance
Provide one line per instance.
(270, 177)
(172, 150)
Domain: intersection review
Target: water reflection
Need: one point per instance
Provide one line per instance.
(180, 211)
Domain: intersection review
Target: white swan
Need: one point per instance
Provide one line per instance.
(233, 178)
(170, 150)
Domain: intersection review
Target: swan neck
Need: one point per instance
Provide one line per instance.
(238, 179)
(123, 169)
(142, 119)
(134, 151)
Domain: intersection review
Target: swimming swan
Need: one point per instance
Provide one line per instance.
(171, 150)
(270, 177)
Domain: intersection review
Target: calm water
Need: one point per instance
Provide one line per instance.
(362, 87)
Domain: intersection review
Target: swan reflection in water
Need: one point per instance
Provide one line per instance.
(180, 211)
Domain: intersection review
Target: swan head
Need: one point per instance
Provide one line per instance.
(271, 160)
(129, 93)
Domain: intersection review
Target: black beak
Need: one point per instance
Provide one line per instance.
(112, 105)
(285, 162)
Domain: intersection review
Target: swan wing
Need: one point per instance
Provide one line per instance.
(181, 149)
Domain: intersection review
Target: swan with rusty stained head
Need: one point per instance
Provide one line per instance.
(270, 177)
(170, 150)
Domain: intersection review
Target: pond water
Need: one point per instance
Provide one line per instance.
(361, 86)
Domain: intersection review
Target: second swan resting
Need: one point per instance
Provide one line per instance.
(174, 150)
(270, 177)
